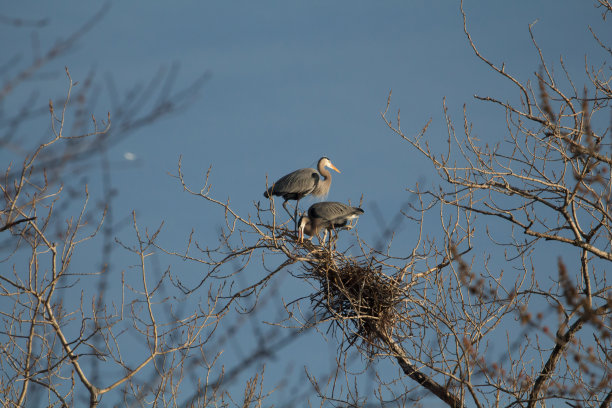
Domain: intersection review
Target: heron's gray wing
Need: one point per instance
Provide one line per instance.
(329, 210)
(300, 181)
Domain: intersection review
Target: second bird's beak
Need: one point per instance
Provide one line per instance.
(300, 235)
(333, 167)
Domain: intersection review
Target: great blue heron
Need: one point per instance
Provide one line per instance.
(300, 183)
(327, 215)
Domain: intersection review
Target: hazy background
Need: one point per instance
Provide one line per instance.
(286, 84)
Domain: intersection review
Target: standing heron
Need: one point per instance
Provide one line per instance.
(327, 215)
(300, 183)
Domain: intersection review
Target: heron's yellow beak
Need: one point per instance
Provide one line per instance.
(300, 235)
(333, 167)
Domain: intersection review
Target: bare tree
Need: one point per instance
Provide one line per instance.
(549, 179)
(444, 321)
(70, 335)
(457, 327)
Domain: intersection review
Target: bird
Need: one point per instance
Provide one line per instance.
(326, 215)
(300, 183)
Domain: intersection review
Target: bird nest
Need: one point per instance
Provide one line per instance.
(355, 296)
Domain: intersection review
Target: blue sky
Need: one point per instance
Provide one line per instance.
(290, 82)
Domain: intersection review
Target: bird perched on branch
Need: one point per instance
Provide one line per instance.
(327, 215)
(302, 182)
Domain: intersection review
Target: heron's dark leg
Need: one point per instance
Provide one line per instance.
(297, 202)
(286, 209)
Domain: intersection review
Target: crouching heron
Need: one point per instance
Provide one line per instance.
(326, 216)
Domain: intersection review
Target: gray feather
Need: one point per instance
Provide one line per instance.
(295, 185)
(331, 214)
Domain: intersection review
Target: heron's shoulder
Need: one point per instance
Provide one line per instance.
(328, 208)
(298, 180)
(302, 172)
(301, 175)
(342, 208)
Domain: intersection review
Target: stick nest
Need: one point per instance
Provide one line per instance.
(356, 296)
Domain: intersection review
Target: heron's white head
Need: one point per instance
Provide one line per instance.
(325, 162)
